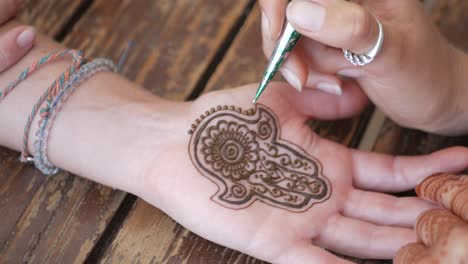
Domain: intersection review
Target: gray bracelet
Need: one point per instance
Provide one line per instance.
(86, 71)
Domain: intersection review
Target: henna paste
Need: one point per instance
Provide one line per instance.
(243, 154)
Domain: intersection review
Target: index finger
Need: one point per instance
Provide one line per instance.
(273, 16)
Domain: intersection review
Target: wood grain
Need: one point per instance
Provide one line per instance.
(148, 235)
(31, 204)
(59, 219)
(49, 16)
(174, 41)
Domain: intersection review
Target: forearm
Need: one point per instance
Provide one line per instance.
(103, 126)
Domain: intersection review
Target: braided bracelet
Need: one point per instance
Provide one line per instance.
(86, 71)
(51, 92)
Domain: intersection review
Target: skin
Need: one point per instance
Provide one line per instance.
(418, 79)
(10, 50)
(145, 135)
(442, 233)
(242, 152)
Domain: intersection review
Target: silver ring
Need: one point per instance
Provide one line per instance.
(363, 59)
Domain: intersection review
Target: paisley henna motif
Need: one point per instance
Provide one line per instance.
(242, 153)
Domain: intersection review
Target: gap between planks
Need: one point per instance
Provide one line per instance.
(222, 51)
(372, 131)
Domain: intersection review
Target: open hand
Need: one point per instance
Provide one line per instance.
(355, 219)
(416, 79)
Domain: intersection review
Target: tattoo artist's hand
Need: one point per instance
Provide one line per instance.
(16, 42)
(356, 220)
(415, 77)
(442, 233)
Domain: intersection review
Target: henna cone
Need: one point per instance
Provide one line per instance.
(411, 253)
(434, 223)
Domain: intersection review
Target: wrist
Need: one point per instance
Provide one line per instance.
(111, 130)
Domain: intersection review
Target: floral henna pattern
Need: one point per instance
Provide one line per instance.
(243, 154)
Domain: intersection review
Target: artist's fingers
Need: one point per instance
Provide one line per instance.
(340, 24)
(328, 83)
(387, 173)
(326, 106)
(449, 190)
(9, 8)
(411, 254)
(384, 209)
(294, 71)
(273, 14)
(308, 253)
(362, 239)
(297, 71)
(14, 45)
(329, 60)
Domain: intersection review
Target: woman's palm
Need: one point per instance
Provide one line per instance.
(275, 224)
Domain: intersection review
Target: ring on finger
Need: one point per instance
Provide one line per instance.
(366, 58)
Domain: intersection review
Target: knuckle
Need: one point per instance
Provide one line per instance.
(361, 25)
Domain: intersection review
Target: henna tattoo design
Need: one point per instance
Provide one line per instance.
(243, 154)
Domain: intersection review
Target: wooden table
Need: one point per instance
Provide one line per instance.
(183, 48)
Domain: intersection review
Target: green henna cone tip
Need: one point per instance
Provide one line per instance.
(286, 43)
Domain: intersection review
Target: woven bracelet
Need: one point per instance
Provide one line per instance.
(85, 72)
(48, 94)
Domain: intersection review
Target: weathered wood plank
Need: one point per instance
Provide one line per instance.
(174, 41)
(49, 16)
(61, 221)
(22, 184)
(148, 235)
(60, 218)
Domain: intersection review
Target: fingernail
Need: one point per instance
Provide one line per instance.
(266, 26)
(330, 88)
(306, 15)
(291, 78)
(25, 39)
(351, 73)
